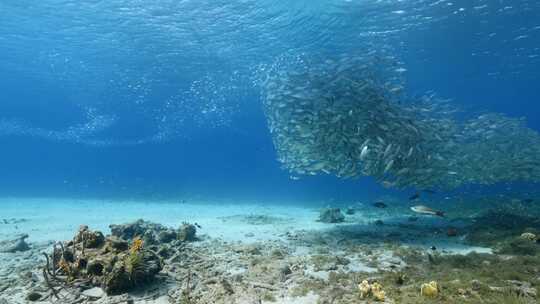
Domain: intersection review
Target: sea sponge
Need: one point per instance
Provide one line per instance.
(430, 290)
(137, 245)
(364, 288)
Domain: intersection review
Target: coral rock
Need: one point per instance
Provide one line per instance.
(166, 236)
(117, 281)
(187, 233)
(110, 263)
(131, 230)
(33, 296)
(90, 239)
(331, 216)
(522, 289)
(117, 244)
(94, 293)
(15, 244)
(95, 267)
(476, 285)
(528, 236)
(142, 266)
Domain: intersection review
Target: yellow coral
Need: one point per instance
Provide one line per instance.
(430, 290)
(379, 295)
(364, 288)
(137, 245)
(376, 286)
(377, 292)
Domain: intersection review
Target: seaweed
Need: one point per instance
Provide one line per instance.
(518, 246)
(502, 224)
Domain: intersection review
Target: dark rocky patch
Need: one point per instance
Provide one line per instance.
(331, 216)
(17, 243)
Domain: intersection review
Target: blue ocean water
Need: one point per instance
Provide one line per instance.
(157, 99)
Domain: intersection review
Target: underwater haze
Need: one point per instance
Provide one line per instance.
(147, 97)
(412, 124)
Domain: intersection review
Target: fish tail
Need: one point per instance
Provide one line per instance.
(440, 213)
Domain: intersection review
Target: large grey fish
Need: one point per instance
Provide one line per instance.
(426, 210)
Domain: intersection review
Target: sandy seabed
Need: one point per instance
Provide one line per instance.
(247, 252)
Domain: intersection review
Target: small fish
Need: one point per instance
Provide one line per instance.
(410, 152)
(364, 152)
(388, 166)
(426, 210)
(197, 225)
(528, 200)
(414, 196)
(387, 184)
(380, 204)
(387, 150)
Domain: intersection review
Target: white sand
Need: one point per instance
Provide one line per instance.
(59, 219)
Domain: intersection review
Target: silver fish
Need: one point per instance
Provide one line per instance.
(364, 152)
(421, 209)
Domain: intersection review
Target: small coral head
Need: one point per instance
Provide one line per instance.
(430, 290)
(364, 289)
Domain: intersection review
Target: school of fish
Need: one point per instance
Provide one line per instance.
(349, 117)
